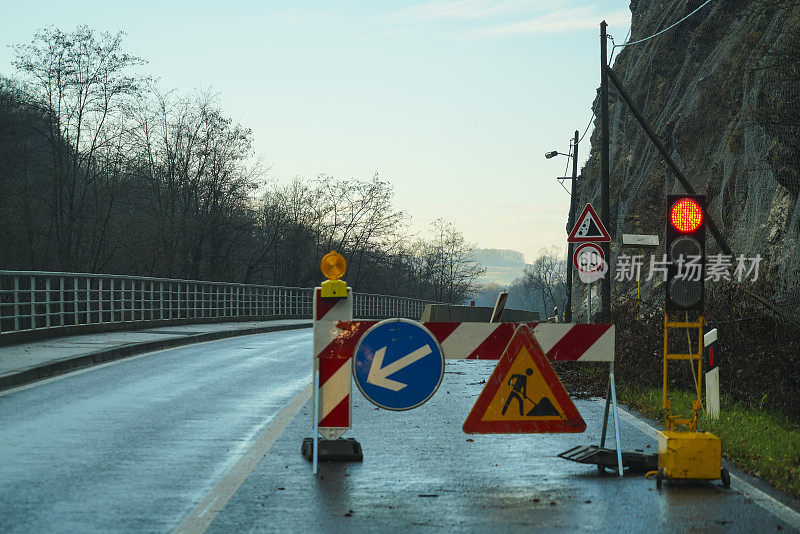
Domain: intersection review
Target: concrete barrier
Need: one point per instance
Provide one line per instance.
(474, 314)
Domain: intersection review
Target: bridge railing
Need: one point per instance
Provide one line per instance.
(38, 300)
(366, 305)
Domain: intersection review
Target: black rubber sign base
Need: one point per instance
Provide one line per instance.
(333, 450)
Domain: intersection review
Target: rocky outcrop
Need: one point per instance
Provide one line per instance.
(721, 91)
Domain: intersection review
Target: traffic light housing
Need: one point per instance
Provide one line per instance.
(686, 252)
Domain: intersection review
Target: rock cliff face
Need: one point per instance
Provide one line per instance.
(722, 91)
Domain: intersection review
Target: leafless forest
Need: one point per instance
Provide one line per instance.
(102, 171)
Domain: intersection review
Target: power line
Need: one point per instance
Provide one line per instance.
(615, 46)
(704, 4)
(587, 128)
(569, 156)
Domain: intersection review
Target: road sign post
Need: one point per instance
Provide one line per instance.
(639, 242)
(590, 261)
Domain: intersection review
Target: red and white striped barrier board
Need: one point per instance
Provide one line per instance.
(559, 341)
(487, 341)
(333, 365)
(336, 336)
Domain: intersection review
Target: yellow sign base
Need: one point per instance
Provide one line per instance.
(690, 455)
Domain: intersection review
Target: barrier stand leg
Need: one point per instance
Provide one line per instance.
(316, 420)
(605, 416)
(616, 418)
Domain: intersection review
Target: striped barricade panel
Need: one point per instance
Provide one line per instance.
(559, 341)
(333, 364)
(487, 341)
(335, 340)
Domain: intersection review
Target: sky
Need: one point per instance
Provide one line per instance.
(454, 102)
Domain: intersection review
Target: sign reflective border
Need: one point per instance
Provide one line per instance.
(588, 228)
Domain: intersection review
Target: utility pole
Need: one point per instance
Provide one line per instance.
(605, 210)
(570, 224)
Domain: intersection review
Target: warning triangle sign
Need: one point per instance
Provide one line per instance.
(523, 395)
(588, 228)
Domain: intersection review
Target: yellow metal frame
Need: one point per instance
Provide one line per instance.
(673, 422)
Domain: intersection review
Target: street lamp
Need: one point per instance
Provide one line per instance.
(570, 219)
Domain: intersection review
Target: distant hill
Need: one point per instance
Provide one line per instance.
(502, 266)
(498, 257)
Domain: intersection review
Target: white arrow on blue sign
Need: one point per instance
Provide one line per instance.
(398, 364)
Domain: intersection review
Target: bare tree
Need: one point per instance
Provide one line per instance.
(193, 167)
(446, 264)
(81, 82)
(124, 178)
(361, 221)
(287, 235)
(546, 277)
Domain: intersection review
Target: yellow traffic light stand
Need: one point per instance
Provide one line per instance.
(683, 452)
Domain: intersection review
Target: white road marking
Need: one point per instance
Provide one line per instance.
(213, 503)
(765, 501)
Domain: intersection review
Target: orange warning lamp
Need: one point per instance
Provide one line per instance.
(686, 215)
(333, 266)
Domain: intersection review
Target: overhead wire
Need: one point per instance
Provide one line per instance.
(615, 46)
(587, 128)
(591, 119)
(570, 155)
(701, 6)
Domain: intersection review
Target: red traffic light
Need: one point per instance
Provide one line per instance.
(686, 215)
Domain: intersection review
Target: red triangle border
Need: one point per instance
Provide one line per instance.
(573, 421)
(605, 237)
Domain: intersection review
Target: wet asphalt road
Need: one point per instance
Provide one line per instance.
(132, 446)
(421, 473)
(135, 446)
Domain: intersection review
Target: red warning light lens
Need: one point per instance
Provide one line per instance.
(686, 215)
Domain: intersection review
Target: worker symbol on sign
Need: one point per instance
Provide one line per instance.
(519, 386)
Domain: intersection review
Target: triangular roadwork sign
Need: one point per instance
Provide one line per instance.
(588, 228)
(523, 395)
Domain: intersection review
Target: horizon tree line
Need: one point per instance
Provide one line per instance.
(103, 172)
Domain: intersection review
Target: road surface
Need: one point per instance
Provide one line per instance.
(175, 439)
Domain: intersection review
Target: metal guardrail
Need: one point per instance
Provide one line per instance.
(38, 300)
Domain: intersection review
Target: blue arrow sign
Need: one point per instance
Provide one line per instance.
(398, 364)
